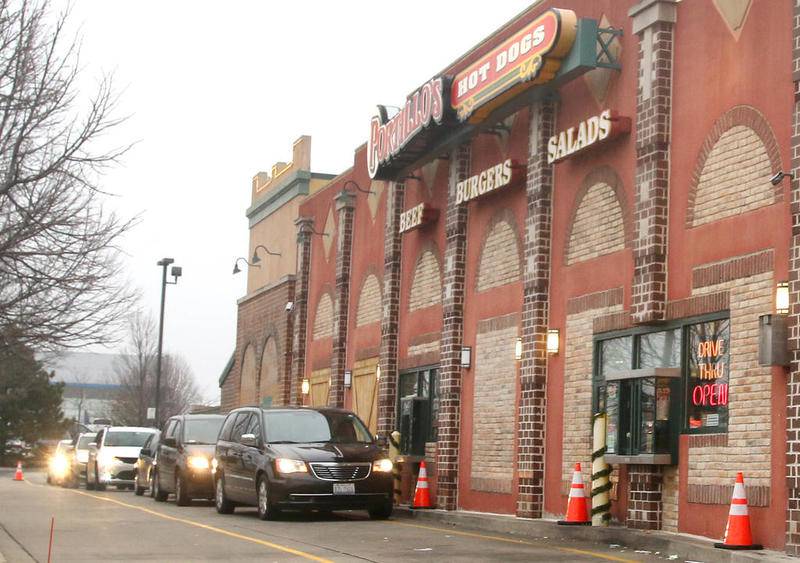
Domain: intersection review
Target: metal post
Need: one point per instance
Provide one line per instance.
(163, 263)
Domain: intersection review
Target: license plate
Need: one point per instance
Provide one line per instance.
(344, 488)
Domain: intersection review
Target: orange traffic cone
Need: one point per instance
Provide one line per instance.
(577, 509)
(737, 532)
(18, 474)
(422, 495)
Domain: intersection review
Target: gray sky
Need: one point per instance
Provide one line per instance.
(218, 91)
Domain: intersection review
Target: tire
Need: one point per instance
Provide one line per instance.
(381, 511)
(137, 490)
(181, 490)
(98, 486)
(151, 491)
(266, 510)
(159, 494)
(221, 501)
(89, 481)
(49, 480)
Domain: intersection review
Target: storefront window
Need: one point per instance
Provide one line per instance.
(418, 409)
(707, 377)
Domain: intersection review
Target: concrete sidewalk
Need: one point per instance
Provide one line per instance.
(670, 546)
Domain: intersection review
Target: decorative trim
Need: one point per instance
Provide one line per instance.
(613, 321)
(498, 323)
(598, 300)
(757, 495)
(504, 215)
(708, 440)
(700, 305)
(733, 269)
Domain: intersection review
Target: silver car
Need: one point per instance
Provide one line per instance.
(113, 454)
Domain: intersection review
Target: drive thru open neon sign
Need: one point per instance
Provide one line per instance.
(710, 368)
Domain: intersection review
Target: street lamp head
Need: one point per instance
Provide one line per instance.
(176, 271)
(165, 261)
(255, 259)
(236, 269)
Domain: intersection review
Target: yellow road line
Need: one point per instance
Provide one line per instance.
(265, 543)
(516, 541)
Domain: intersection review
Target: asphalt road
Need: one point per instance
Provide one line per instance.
(118, 526)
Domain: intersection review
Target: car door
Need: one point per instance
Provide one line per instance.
(167, 454)
(236, 480)
(250, 458)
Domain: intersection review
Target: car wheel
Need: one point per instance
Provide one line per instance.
(151, 491)
(381, 511)
(97, 484)
(266, 510)
(137, 490)
(159, 494)
(49, 480)
(89, 481)
(181, 490)
(221, 501)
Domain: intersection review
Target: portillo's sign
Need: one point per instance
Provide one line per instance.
(486, 181)
(531, 56)
(387, 137)
(587, 133)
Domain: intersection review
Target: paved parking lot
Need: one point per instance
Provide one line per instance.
(119, 526)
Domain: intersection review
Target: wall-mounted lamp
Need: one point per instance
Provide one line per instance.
(359, 188)
(305, 387)
(348, 378)
(552, 341)
(236, 268)
(378, 372)
(782, 298)
(255, 259)
(518, 348)
(779, 176)
(466, 356)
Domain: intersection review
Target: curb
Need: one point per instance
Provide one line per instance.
(685, 547)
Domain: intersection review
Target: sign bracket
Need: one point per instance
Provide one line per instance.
(605, 58)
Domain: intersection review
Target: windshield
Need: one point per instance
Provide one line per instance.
(305, 426)
(127, 439)
(84, 441)
(202, 430)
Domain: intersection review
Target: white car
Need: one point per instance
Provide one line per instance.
(112, 456)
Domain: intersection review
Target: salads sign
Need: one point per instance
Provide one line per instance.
(531, 56)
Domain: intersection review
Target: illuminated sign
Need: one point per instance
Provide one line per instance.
(486, 181)
(710, 360)
(416, 217)
(589, 132)
(387, 137)
(531, 56)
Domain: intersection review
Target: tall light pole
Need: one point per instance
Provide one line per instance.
(176, 273)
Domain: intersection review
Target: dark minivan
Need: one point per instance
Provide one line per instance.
(184, 458)
(300, 458)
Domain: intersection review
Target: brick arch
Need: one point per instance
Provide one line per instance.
(369, 299)
(323, 315)
(269, 372)
(717, 191)
(500, 261)
(248, 392)
(601, 187)
(426, 283)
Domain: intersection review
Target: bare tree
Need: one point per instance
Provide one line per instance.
(60, 274)
(135, 372)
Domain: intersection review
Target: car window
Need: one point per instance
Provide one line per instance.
(176, 432)
(201, 430)
(84, 441)
(225, 434)
(239, 426)
(170, 430)
(303, 426)
(149, 441)
(99, 438)
(127, 439)
(254, 427)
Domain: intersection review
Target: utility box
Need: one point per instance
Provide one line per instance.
(773, 341)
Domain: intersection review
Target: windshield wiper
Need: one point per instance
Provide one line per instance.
(283, 442)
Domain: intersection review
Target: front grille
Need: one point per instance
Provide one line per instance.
(130, 460)
(341, 471)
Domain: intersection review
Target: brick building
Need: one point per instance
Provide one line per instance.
(602, 177)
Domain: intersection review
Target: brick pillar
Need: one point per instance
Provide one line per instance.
(536, 286)
(644, 497)
(392, 247)
(455, 258)
(305, 226)
(793, 379)
(345, 207)
(653, 22)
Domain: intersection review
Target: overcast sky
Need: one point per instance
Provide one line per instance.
(216, 92)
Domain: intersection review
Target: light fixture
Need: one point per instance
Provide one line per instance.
(779, 176)
(782, 298)
(466, 356)
(378, 372)
(305, 387)
(357, 187)
(236, 269)
(518, 348)
(348, 377)
(255, 259)
(552, 341)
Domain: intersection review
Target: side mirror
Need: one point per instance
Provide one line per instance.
(146, 452)
(382, 441)
(249, 440)
(169, 442)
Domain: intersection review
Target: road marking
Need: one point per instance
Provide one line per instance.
(265, 543)
(517, 541)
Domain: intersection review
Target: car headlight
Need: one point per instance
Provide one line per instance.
(283, 465)
(106, 458)
(59, 464)
(382, 465)
(198, 462)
